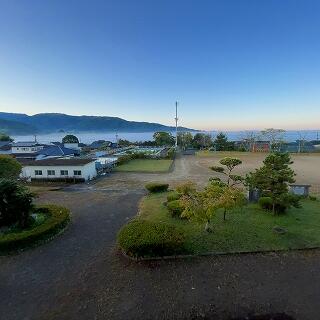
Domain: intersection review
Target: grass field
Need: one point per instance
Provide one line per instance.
(146, 165)
(246, 230)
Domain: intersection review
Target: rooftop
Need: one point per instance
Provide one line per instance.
(25, 144)
(59, 162)
(56, 150)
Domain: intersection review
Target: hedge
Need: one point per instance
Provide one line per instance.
(58, 218)
(142, 238)
(154, 187)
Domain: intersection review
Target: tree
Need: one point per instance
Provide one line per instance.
(70, 138)
(221, 143)
(248, 139)
(272, 180)
(275, 138)
(229, 199)
(202, 206)
(5, 137)
(15, 203)
(202, 140)
(124, 143)
(184, 139)
(162, 138)
(9, 167)
(230, 164)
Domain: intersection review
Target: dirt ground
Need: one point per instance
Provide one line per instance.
(80, 274)
(194, 168)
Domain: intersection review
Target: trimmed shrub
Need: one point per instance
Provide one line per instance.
(173, 196)
(265, 203)
(142, 238)
(282, 204)
(175, 208)
(313, 198)
(154, 187)
(58, 218)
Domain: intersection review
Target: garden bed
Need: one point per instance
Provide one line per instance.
(146, 165)
(249, 229)
(50, 221)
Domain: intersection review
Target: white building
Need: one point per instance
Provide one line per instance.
(60, 169)
(74, 146)
(26, 147)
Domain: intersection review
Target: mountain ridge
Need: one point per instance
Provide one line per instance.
(54, 122)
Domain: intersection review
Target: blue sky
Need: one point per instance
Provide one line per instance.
(231, 64)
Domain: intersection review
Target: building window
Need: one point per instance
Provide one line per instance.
(51, 173)
(38, 172)
(77, 172)
(63, 172)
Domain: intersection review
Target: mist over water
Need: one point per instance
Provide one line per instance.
(89, 137)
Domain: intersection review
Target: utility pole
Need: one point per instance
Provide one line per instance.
(176, 119)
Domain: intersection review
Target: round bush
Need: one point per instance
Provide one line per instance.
(175, 208)
(279, 207)
(142, 238)
(173, 196)
(156, 187)
(265, 203)
(57, 219)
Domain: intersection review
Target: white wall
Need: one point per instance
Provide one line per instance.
(74, 146)
(26, 149)
(88, 171)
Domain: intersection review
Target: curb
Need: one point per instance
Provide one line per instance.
(217, 254)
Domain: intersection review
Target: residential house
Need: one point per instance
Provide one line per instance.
(56, 151)
(26, 150)
(260, 146)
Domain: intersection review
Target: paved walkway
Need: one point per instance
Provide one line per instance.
(79, 275)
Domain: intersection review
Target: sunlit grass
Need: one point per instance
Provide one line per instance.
(248, 229)
(146, 165)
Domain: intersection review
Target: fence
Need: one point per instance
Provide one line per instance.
(315, 189)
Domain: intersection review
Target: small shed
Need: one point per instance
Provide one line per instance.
(300, 189)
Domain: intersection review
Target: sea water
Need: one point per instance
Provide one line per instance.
(89, 137)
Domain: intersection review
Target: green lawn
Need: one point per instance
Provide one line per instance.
(145, 165)
(247, 230)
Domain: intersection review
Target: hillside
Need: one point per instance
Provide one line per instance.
(53, 122)
(15, 127)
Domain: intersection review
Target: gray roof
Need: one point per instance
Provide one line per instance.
(58, 151)
(25, 144)
(5, 145)
(59, 162)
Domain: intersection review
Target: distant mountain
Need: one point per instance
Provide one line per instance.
(53, 122)
(16, 127)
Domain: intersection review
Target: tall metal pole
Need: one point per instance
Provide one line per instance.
(176, 119)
